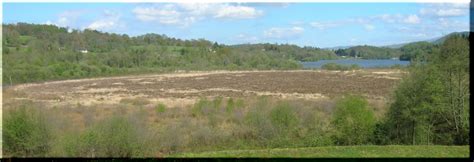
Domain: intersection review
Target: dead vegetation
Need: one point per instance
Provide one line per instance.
(183, 89)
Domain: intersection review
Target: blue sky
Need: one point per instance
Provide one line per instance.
(303, 24)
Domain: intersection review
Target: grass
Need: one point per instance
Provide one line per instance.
(343, 151)
(135, 101)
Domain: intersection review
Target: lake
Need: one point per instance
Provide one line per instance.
(361, 62)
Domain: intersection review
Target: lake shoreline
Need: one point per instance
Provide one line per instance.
(362, 63)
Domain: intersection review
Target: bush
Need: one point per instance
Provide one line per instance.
(210, 109)
(173, 137)
(283, 117)
(200, 107)
(353, 121)
(160, 108)
(25, 133)
(230, 105)
(114, 137)
(259, 123)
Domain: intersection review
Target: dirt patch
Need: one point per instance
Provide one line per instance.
(178, 89)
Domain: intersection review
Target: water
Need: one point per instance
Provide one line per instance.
(362, 63)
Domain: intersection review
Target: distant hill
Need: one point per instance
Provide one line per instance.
(442, 39)
(418, 49)
(437, 40)
(369, 52)
(395, 45)
(337, 47)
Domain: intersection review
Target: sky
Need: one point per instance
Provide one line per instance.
(304, 24)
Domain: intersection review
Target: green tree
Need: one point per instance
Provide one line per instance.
(431, 105)
(25, 133)
(353, 121)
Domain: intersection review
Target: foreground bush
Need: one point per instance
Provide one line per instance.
(353, 121)
(25, 133)
(129, 130)
(114, 137)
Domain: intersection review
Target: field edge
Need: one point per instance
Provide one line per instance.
(369, 151)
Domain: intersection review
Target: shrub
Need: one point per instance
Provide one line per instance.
(160, 108)
(200, 107)
(217, 102)
(114, 137)
(25, 133)
(204, 136)
(173, 137)
(239, 103)
(260, 125)
(353, 121)
(230, 105)
(283, 117)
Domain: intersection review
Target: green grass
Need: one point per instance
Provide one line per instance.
(343, 151)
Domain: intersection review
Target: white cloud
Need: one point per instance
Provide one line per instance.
(237, 12)
(267, 4)
(246, 38)
(358, 20)
(185, 14)
(446, 23)
(369, 27)
(283, 33)
(333, 24)
(412, 19)
(109, 21)
(297, 23)
(445, 9)
(430, 28)
(388, 18)
(101, 24)
(66, 19)
(353, 41)
(324, 25)
(451, 12)
(167, 14)
(397, 18)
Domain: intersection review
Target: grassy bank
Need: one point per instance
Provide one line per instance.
(343, 151)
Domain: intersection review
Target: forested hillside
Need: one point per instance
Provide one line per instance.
(419, 50)
(34, 53)
(46, 52)
(369, 52)
(288, 51)
(441, 40)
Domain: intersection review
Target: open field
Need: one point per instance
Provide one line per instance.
(182, 89)
(344, 152)
(180, 113)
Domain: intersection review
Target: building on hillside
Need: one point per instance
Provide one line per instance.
(83, 51)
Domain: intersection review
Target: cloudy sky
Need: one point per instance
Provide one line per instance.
(303, 24)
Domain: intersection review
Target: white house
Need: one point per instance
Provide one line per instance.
(83, 51)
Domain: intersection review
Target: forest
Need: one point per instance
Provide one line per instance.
(46, 52)
(33, 53)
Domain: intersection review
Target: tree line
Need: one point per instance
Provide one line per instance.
(34, 52)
